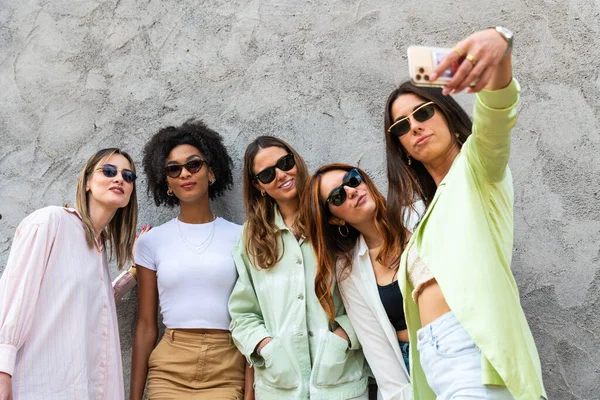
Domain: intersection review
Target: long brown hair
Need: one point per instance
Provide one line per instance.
(329, 245)
(120, 232)
(260, 233)
(409, 183)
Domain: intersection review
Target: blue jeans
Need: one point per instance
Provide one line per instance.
(452, 362)
(404, 348)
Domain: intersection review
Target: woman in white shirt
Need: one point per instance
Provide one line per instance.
(59, 336)
(355, 246)
(186, 266)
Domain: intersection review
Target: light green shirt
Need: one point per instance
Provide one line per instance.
(305, 360)
(465, 238)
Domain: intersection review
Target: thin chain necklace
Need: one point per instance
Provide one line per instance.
(205, 244)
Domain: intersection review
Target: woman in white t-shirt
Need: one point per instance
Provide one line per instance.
(186, 265)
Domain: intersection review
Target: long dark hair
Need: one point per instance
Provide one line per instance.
(409, 183)
(329, 244)
(260, 235)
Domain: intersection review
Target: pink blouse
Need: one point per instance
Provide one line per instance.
(59, 336)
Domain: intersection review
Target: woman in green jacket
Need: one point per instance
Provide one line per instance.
(461, 301)
(277, 321)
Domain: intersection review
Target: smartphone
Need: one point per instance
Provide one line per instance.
(422, 60)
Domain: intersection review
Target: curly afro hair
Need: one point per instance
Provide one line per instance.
(194, 133)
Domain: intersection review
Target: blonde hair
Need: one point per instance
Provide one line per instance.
(120, 232)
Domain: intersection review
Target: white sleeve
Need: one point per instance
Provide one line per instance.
(391, 376)
(144, 256)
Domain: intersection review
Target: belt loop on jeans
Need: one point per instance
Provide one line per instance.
(172, 334)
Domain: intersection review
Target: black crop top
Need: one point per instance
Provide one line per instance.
(393, 303)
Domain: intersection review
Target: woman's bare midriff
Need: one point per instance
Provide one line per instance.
(432, 303)
(402, 335)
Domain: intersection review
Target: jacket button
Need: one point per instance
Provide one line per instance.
(299, 261)
(301, 297)
(310, 333)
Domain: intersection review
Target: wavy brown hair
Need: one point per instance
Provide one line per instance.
(329, 245)
(260, 235)
(120, 232)
(409, 183)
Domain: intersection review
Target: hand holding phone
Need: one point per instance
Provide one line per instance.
(422, 62)
(481, 60)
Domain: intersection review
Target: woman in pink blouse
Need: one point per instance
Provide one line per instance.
(59, 336)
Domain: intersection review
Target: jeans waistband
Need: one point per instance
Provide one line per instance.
(437, 326)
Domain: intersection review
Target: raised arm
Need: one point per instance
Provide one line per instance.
(488, 65)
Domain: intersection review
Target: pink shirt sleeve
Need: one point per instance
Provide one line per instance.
(20, 283)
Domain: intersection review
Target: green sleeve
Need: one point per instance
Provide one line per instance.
(247, 324)
(494, 116)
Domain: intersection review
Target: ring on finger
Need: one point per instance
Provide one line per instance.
(457, 51)
(472, 59)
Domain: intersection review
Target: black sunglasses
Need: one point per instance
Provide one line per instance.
(285, 163)
(110, 171)
(422, 113)
(352, 179)
(192, 166)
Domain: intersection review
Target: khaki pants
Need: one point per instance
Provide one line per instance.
(188, 365)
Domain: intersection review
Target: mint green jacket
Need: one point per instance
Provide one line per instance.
(305, 360)
(465, 238)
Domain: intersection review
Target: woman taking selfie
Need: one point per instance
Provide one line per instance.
(59, 336)
(186, 266)
(356, 247)
(462, 303)
(276, 319)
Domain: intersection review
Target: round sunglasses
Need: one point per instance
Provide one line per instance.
(267, 175)
(421, 113)
(110, 171)
(192, 166)
(338, 196)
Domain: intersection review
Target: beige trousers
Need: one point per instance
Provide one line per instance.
(188, 365)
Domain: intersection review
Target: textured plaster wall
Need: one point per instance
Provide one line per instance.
(79, 75)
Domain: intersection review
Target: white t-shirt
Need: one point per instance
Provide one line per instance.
(194, 269)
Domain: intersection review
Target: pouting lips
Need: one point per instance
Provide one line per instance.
(188, 185)
(118, 188)
(361, 200)
(423, 139)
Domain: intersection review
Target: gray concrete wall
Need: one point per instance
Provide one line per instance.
(78, 75)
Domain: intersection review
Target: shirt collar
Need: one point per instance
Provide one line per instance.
(281, 226)
(361, 246)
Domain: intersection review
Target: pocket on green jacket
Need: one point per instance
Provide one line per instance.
(338, 364)
(278, 371)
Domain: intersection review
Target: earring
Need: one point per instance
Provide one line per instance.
(211, 181)
(263, 193)
(457, 135)
(344, 233)
(409, 160)
(169, 192)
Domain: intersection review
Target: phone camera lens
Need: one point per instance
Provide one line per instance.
(418, 76)
(426, 77)
(421, 70)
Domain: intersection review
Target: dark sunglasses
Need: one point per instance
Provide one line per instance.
(110, 171)
(285, 163)
(352, 179)
(192, 166)
(422, 113)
